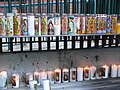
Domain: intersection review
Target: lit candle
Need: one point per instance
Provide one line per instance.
(114, 70)
(46, 84)
(37, 77)
(72, 74)
(3, 79)
(43, 75)
(118, 70)
(57, 75)
(79, 74)
(51, 77)
(86, 73)
(93, 72)
(15, 80)
(105, 69)
(65, 75)
(28, 78)
(33, 85)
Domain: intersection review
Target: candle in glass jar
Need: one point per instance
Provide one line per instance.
(92, 72)
(114, 70)
(57, 75)
(29, 76)
(86, 73)
(33, 85)
(43, 75)
(37, 77)
(51, 76)
(72, 74)
(3, 79)
(106, 69)
(118, 70)
(46, 84)
(65, 75)
(15, 80)
(79, 74)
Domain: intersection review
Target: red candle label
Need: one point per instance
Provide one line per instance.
(86, 73)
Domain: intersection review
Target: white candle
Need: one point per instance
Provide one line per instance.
(3, 79)
(29, 76)
(72, 74)
(51, 77)
(65, 75)
(79, 74)
(15, 80)
(86, 73)
(106, 69)
(118, 70)
(43, 75)
(93, 72)
(37, 77)
(57, 75)
(46, 84)
(33, 85)
(31, 29)
(114, 70)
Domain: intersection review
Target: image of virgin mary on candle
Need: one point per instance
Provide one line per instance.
(50, 27)
(13, 81)
(24, 27)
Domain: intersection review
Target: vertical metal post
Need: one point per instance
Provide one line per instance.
(73, 6)
(48, 6)
(109, 6)
(0, 45)
(30, 6)
(57, 6)
(95, 7)
(39, 6)
(52, 6)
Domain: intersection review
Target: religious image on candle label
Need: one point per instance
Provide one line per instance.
(2, 25)
(44, 25)
(24, 27)
(86, 73)
(93, 25)
(88, 24)
(35, 87)
(13, 81)
(36, 25)
(36, 77)
(73, 75)
(101, 72)
(108, 24)
(64, 25)
(70, 24)
(66, 76)
(16, 25)
(27, 80)
(77, 25)
(57, 76)
(51, 26)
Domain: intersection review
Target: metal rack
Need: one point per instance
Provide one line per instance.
(41, 43)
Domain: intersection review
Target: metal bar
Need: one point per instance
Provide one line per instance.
(30, 6)
(65, 42)
(110, 40)
(39, 6)
(57, 43)
(48, 43)
(73, 42)
(39, 43)
(103, 41)
(33, 6)
(81, 42)
(57, 6)
(117, 40)
(73, 6)
(30, 43)
(109, 7)
(0, 45)
(48, 6)
(9, 6)
(89, 42)
(77, 6)
(96, 41)
(21, 43)
(11, 44)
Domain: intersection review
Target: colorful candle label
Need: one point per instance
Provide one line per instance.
(94, 73)
(13, 80)
(2, 25)
(77, 25)
(57, 76)
(94, 25)
(65, 76)
(64, 25)
(101, 72)
(57, 25)
(104, 25)
(88, 24)
(108, 25)
(37, 26)
(82, 24)
(70, 25)
(86, 73)
(27, 80)
(51, 29)
(44, 25)
(73, 75)
(99, 24)
(36, 77)
(114, 22)
(16, 25)
(9, 25)
(24, 26)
